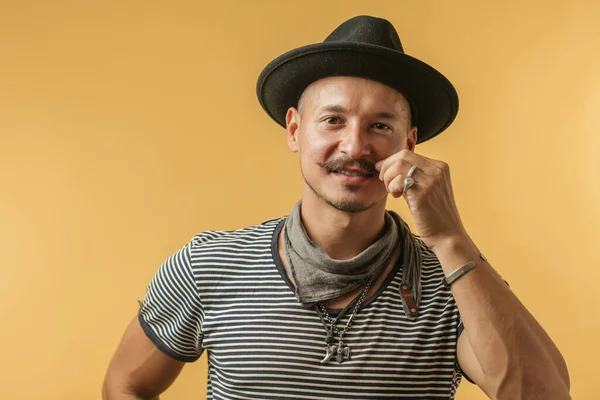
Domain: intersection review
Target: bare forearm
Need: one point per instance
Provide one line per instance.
(515, 353)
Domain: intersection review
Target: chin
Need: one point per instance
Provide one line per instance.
(351, 205)
(348, 197)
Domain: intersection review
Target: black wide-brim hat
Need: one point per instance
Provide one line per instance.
(365, 47)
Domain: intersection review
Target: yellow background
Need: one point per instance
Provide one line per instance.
(128, 126)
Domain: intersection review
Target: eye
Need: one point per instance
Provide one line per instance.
(333, 120)
(381, 127)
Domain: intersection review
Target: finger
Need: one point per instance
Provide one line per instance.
(393, 161)
(397, 183)
(440, 166)
(386, 162)
(396, 186)
(424, 165)
(402, 167)
(393, 169)
(407, 158)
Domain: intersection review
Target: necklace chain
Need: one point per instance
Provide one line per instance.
(340, 351)
(333, 323)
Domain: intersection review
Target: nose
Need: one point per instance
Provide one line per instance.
(353, 141)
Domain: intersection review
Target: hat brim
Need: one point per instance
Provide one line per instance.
(284, 79)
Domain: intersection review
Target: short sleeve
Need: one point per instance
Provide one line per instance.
(459, 331)
(171, 312)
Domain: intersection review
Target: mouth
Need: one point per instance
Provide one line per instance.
(353, 173)
(353, 177)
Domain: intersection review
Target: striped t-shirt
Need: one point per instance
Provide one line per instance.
(227, 292)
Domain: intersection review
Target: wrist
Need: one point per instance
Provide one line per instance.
(456, 243)
(455, 251)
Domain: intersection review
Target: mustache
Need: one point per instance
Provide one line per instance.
(343, 162)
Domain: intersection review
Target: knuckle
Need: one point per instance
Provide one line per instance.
(395, 185)
(440, 172)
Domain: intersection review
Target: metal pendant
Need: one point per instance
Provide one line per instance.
(340, 351)
(330, 351)
(343, 352)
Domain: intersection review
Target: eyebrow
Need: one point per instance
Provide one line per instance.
(333, 108)
(386, 115)
(340, 109)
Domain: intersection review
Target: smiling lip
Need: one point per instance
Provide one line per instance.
(353, 180)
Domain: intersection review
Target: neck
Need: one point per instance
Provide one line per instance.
(341, 234)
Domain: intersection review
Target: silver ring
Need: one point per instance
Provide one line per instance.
(409, 181)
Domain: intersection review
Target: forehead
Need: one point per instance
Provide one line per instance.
(354, 91)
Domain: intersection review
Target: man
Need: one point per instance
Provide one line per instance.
(339, 300)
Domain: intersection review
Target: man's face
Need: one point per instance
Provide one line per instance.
(345, 125)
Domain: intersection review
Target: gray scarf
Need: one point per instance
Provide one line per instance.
(318, 277)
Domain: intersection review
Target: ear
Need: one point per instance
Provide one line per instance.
(292, 121)
(411, 140)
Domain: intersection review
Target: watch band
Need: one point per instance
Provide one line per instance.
(458, 273)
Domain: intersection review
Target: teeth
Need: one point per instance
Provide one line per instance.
(351, 173)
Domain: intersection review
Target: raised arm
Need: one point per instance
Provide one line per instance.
(505, 350)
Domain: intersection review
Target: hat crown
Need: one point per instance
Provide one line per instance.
(365, 47)
(367, 30)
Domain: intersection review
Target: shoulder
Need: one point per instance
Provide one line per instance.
(217, 253)
(257, 233)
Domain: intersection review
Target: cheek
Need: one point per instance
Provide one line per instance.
(316, 148)
(310, 159)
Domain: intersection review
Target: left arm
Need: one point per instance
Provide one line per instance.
(503, 348)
